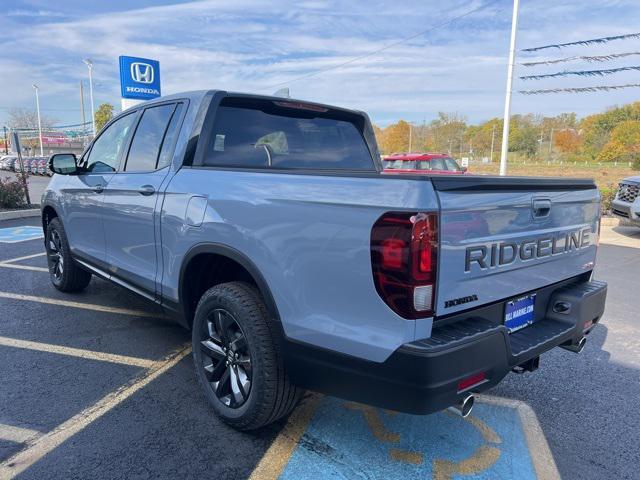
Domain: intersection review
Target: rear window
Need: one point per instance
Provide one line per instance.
(273, 134)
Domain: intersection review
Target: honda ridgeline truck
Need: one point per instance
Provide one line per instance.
(266, 226)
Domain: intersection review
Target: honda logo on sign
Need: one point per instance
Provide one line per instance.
(142, 72)
(139, 78)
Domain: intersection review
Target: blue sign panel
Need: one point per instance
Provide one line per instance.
(139, 78)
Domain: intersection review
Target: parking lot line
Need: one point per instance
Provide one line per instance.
(540, 452)
(76, 352)
(277, 456)
(26, 257)
(23, 267)
(17, 434)
(86, 306)
(48, 442)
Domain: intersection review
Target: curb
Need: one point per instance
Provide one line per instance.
(13, 214)
(609, 221)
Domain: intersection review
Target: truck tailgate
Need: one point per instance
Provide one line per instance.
(504, 236)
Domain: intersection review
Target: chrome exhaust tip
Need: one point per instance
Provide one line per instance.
(464, 406)
(578, 347)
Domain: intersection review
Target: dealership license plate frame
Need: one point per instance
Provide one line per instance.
(523, 320)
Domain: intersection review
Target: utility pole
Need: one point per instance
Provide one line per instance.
(493, 137)
(410, 139)
(89, 65)
(540, 141)
(507, 99)
(84, 120)
(550, 143)
(35, 87)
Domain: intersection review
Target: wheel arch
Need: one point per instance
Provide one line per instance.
(48, 213)
(237, 267)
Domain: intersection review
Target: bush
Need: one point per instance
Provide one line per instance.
(608, 193)
(11, 194)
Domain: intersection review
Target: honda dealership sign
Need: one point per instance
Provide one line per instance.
(139, 78)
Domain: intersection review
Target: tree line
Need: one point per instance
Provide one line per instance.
(611, 136)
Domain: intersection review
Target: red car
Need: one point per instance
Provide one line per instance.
(433, 163)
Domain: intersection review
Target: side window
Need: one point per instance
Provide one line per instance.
(148, 137)
(452, 165)
(105, 151)
(170, 138)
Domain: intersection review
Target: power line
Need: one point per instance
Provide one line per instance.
(584, 42)
(382, 49)
(581, 73)
(597, 88)
(587, 58)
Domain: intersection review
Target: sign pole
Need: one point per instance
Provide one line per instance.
(507, 99)
(15, 140)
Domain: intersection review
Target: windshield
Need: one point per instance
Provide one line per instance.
(441, 163)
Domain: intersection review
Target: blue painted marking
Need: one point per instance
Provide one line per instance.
(20, 234)
(340, 443)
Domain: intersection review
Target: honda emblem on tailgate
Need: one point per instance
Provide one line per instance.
(142, 72)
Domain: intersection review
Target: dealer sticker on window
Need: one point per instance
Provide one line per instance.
(519, 312)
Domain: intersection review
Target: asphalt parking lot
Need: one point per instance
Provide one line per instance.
(100, 385)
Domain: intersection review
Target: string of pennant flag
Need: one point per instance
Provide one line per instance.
(595, 88)
(586, 58)
(582, 73)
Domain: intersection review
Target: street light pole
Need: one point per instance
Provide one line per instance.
(35, 87)
(507, 99)
(493, 137)
(89, 64)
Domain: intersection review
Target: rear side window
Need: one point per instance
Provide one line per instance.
(269, 134)
(148, 138)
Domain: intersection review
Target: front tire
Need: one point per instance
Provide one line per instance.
(237, 359)
(65, 274)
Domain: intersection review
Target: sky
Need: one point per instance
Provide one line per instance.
(455, 61)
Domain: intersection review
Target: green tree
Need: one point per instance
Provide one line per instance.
(103, 115)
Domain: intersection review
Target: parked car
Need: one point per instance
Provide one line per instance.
(43, 166)
(5, 162)
(266, 226)
(431, 163)
(626, 204)
(11, 164)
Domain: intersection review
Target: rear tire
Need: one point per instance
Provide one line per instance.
(65, 274)
(237, 359)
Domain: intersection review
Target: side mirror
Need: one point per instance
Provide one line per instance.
(63, 164)
(464, 169)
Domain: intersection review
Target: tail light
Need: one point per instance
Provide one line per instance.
(404, 258)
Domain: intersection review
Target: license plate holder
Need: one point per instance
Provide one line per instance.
(519, 312)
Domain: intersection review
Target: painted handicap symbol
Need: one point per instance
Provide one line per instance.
(20, 234)
(481, 459)
(346, 440)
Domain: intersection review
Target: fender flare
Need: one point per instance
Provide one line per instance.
(242, 260)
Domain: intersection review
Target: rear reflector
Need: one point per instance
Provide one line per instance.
(471, 381)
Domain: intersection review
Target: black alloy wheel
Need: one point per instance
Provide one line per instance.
(226, 358)
(55, 257)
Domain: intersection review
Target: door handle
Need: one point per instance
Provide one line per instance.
(146, 190)
(98, 188)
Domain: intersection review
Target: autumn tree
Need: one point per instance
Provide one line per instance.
(567, 141)
(624, 144)
(395, 138)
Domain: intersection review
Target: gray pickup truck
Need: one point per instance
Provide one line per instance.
(626, 204)
(267, 227)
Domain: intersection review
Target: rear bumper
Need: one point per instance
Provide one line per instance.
(422, 377)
